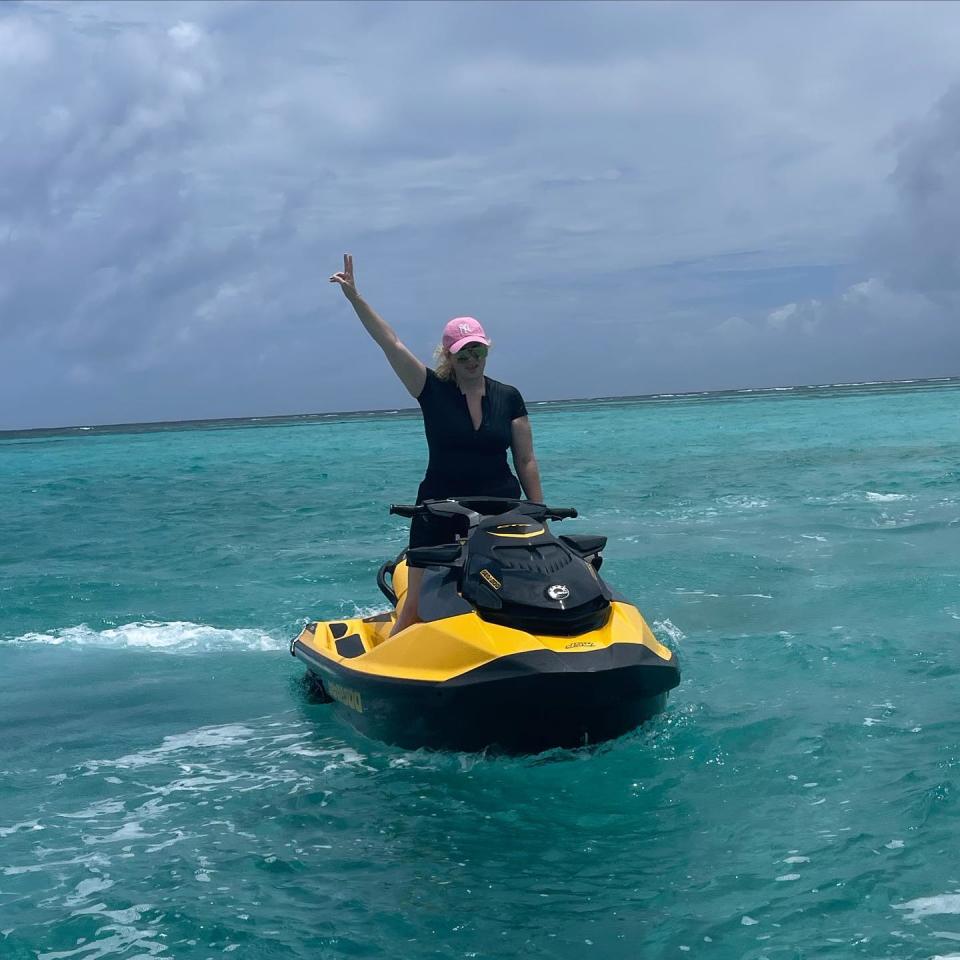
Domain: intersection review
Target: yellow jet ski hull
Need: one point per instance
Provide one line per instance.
(460, 682)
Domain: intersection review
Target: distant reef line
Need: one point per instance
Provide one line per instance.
(343, 416)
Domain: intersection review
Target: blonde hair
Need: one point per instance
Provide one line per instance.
(443, 362)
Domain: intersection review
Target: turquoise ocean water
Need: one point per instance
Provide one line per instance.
(168, 790)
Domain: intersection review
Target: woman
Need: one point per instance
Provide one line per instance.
(469, 420)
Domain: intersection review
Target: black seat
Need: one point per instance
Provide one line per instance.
(441, 555)
(584, 544)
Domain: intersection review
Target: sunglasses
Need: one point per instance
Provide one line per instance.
(470, 353)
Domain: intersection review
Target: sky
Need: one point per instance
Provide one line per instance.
(632, 198)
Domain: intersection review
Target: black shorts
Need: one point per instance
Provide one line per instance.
(427, 530)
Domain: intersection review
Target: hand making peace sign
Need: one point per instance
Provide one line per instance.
(345, 278)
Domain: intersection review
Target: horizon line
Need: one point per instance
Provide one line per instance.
(398, 410)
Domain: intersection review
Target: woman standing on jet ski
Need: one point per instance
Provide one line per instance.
(469, 419)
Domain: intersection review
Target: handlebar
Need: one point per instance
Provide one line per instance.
(406, 509)
(410, 510)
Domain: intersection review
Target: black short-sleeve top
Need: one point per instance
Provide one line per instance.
(464, 460)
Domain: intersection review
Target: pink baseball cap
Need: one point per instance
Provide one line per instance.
(463, 330)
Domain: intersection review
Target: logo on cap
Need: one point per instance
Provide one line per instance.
(465, 329)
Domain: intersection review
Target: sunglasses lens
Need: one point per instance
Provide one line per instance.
(471, 353)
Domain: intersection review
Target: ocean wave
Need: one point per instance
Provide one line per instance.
(931, 906)
(859, 496)
(173, 637)
(361, 612)
(227, 735)
(743, 502)
(264, 746)
(669, 629)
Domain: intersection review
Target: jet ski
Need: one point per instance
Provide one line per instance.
(522, 646)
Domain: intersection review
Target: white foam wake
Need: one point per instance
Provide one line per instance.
(670, 630)
(931, 906)
(175, 637)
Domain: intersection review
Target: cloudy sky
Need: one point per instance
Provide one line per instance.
(634, 198)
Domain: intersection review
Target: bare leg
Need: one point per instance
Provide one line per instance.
(410, 610)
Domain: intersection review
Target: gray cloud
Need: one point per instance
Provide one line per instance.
(178, 179)
(917, 244)
(904, 319)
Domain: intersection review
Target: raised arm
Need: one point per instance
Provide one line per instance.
(410, 370)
